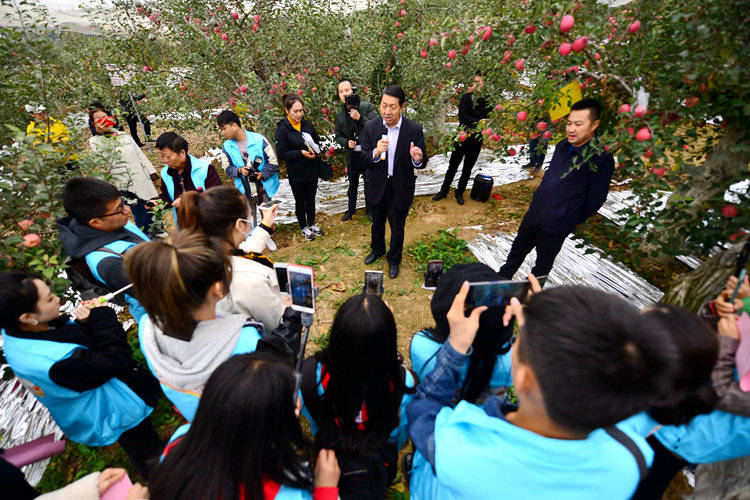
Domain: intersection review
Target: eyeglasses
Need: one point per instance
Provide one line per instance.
(121, 211)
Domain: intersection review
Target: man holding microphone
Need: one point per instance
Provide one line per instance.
(392, 147)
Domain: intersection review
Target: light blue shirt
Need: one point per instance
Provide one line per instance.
(392, 143)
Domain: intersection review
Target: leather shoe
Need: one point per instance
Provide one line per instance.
(439, 196)
(393, 271)
(460, 198)
(347, 216)
(372, 257)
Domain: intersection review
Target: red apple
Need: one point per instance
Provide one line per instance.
(658, 171)
(31, 240)
(625, 108)
(336, 69)
(243, 89)
(580, 43)
(432, 42)
(400, 35)
(631, 130)
(640, 110)
(643, 134)
(25, 224)
(520, 65)
(496, 137)
(548, 134)
(728, 211)
(256, 18)
(402, 13)
(398, 24)
(511, 152)
(521, 116)
(565, 49)
(634, 26)
(451, 54)
(487, 132)
(255, 27)
(541, 126)
(649, 153)
(597, 56)
(423, 53)
(566, 23)
(530, 28)
(462, 136)
(224, 37)
(499, 107)
(506, 56)
(448, 64)
(235, 15)
(487, 33)
(465, 49)
(146, 69)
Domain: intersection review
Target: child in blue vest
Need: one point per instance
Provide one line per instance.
(244, 149)
(685, 427)
(355, 392)
(83, 371)
(98, 230)
(488, 369)
(182, 171)
(245, 442)
(179, 282)
(584, 361)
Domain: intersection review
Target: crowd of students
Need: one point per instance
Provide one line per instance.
(572, 394)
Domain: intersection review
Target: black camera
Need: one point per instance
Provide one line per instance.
(352, 101)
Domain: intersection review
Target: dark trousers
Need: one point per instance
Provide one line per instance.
(547, 245)
(537, 151)
(133, 126)
(143, 447)
(666, 465)
(386, 209)
(469, 155)
(143, 217)
(304, 201)
(353, 171)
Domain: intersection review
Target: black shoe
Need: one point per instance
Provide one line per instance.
(372, 257)
(439, 196)
(393, 271)
(347, 216)
(460, 198)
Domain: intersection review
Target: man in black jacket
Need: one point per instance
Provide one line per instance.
(471, 109)
(349, 123)
(572, 190)
(392, 147)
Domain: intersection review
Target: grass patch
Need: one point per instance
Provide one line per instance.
(445, 246)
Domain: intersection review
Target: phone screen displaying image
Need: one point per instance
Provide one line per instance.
(433, 274)
(494, 293)
(374, 282)
(301, 287)
(281, 276)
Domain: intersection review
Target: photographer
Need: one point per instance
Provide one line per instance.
(349, 122)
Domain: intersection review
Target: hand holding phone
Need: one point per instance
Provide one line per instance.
(373, 283)
(463, 329)
(301, 286)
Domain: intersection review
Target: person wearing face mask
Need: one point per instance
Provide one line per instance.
(573, 189)
(132, 171)
(223, 213)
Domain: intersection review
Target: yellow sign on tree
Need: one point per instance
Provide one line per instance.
(564, 99)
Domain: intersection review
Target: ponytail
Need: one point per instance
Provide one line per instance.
(213, 212)
(189, 212)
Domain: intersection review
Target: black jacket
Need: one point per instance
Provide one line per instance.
(347, 129)
(470, 111)
(107, 355)
(568, 196)
(289, 146)
(376, 173)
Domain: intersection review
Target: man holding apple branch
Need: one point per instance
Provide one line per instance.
(392, 147)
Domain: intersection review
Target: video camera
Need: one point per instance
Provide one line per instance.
(352, 101)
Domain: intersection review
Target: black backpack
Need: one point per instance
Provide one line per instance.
(366, 476)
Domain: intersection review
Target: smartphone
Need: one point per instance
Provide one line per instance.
(433, 274)
(281, 276)
(373, 283)
(498, 293)
(301, 283)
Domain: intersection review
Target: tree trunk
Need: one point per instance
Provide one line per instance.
(725, 162)
(704, 283)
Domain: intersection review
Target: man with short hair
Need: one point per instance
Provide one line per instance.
(243, 150)
(350, 120)
(584, 361)
(182, 172)
(392, 147)
(573, 189)
(98, 230)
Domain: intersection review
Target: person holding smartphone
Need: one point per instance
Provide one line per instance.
(297, 143)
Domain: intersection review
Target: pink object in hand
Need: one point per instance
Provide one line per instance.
(742, 356)
(119, 490)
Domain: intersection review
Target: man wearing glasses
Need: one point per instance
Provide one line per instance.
(97, 232)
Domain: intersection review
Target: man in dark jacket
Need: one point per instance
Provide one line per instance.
(349, 123)
(471, 109)
(392, 147)
(572, 190)
(131, 116)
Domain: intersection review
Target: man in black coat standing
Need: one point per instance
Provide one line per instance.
(572, 190)
(392, 147)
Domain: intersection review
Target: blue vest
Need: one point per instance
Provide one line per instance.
(186, 401)
(120, 247)
(96, 417)
(254, 150)
(478, 456)
(422, 353)
(398, 436)
(198, 174)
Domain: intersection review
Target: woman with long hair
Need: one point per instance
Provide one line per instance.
(223, 213)
(245, 441)
(179, 282)
(488, 369)
(297, 143)
(356, 389)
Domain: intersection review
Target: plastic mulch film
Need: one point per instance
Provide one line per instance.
(572, 267)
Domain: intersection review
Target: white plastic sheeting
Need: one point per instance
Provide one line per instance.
(573, 266)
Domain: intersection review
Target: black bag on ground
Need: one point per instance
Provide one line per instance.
(84, 282)
(482, 188)
(366, 476)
